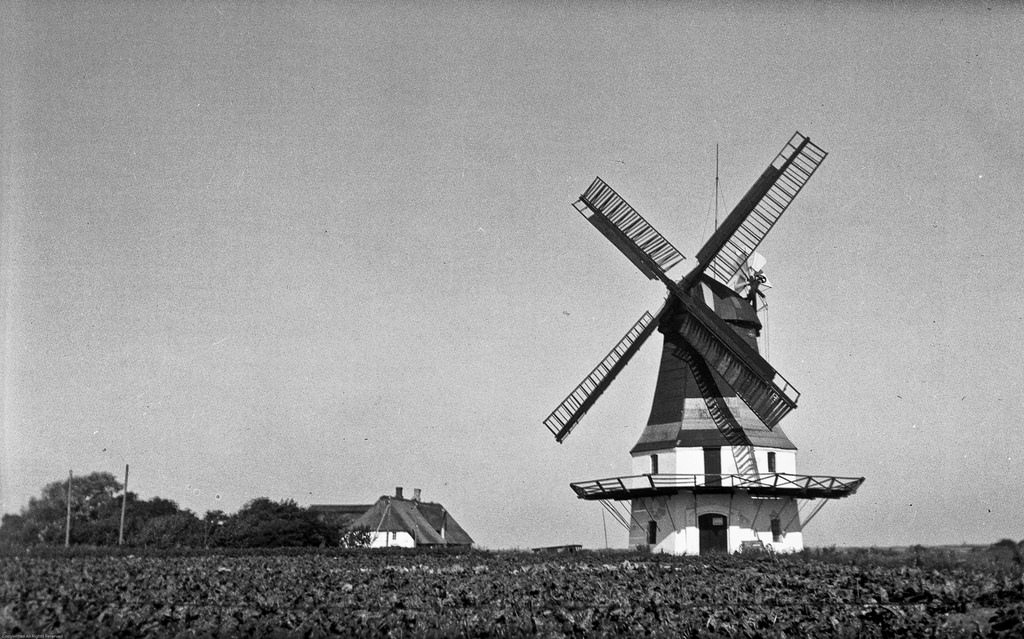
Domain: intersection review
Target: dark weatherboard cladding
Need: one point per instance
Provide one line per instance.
(671, 422)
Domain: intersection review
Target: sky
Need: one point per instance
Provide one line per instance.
(318, 251)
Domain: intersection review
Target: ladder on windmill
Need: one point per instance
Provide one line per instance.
(742, 449)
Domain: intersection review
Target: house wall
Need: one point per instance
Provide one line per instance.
(748, 520)
(391, 539)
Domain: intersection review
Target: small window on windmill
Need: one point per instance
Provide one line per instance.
(771, 462)
(652, 532)
(654, 464)
(718, 521)
(776, 530)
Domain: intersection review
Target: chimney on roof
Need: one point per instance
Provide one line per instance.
(415, 494)
(398, 492)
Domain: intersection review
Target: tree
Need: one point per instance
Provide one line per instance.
(263, 522)
(12, 530)
(213, 528)
(140, 513)
(173, 530)
(95, 513)
(1007, 551)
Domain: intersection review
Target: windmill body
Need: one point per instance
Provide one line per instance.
(712, 471)
(682, 439)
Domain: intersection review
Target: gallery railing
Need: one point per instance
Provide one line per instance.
(768, 484)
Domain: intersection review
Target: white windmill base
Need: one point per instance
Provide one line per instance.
(685, 514)
(689, 523)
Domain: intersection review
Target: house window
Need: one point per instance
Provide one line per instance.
(776, 530)
(771, 462)
(652, 532)
(654, 464)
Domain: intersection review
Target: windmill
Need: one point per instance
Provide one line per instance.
(712, 456)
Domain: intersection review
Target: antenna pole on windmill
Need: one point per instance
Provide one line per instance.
(716, 186)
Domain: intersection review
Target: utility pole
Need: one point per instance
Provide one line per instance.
(124, 500)
(67, 521)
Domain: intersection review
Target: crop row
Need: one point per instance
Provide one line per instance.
(497, 594)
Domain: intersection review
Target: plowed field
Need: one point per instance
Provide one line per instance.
(498, 594)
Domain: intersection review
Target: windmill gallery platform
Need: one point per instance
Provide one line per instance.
(712, 471)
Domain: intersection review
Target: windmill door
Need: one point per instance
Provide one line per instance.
(714, 533)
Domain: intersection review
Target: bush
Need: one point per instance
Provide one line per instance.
(175, 530)
(96, 501)
(265, 523)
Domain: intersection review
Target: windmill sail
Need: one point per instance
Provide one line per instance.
(766, 392)
(563, 419)
(760, 209)
(760, 386)
(627, 229)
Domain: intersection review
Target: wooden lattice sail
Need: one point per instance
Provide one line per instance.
(768, 394)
